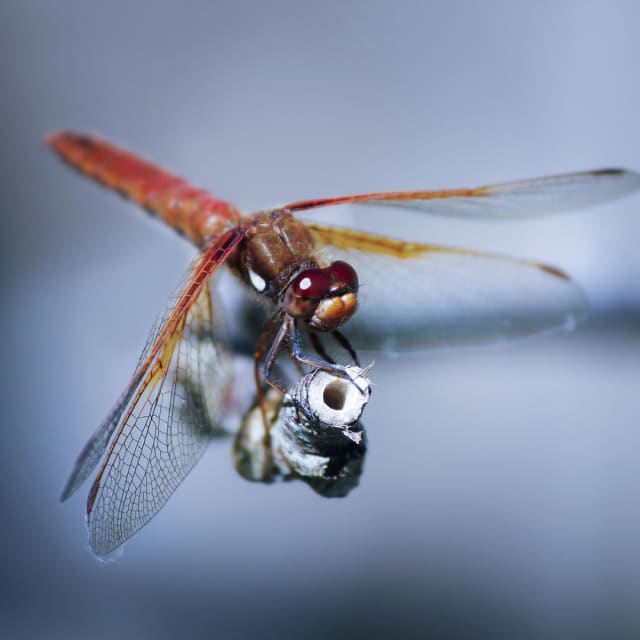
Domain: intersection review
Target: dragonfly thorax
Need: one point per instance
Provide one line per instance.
(324, 298)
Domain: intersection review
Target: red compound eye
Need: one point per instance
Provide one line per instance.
(344, 273)
(312, 283)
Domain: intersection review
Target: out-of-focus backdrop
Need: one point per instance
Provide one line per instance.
(499, 496)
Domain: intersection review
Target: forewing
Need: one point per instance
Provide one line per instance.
(160, 422)
(162, 435)
(509, 200)
(418, 296)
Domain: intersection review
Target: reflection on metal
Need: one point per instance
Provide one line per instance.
(315, 433)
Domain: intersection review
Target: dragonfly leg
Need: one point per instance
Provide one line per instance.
(319, 347)
(346, 345)
(284, 328)
(340, 339)
(298, 355)
(264, 375)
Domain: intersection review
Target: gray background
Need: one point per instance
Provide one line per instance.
(499, 497)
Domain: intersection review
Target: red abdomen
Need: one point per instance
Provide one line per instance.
(191, 211)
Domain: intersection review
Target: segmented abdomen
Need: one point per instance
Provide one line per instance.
(191, 211)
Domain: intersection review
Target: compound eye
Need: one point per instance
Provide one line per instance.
(312, 283)
(343, 272)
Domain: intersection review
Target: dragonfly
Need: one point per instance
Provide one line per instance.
(359, 290)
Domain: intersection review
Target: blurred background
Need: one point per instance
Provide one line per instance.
(499, 495)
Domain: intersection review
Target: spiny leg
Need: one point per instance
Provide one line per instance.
(341, 339)
(267, 338)
(265, 374)
(319, 347)
(297, 354)
(269, 347)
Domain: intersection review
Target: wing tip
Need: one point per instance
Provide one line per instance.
(71, 486)
(554, 271)
(628, 179)
(614, 171)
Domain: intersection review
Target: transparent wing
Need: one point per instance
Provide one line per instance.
(161, 422)
(163, 434)
(509, 200)
(417, 296)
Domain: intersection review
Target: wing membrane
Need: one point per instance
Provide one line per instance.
(419, 296)
(161, 422)
(162, 436)
(509, 200)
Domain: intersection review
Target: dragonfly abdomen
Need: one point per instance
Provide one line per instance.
(192, 212)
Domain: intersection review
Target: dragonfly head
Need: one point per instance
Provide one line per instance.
(323, 298)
